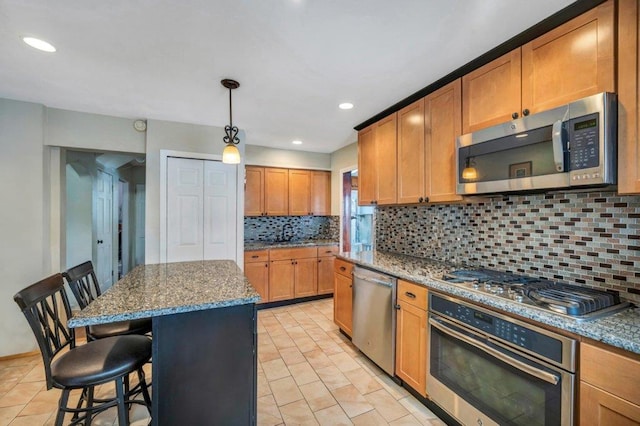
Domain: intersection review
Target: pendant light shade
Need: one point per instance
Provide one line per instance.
(231, 154)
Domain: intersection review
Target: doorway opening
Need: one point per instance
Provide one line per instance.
(102, 217)
(357, 221)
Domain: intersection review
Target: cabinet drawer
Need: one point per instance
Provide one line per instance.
(611, 372)
(326, 251)
(342, 267)
(256, 256)
(413, 294)
(293, 253)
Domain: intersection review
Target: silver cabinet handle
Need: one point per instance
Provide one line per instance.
(542, 375)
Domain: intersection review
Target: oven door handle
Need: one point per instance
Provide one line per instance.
(536, 372)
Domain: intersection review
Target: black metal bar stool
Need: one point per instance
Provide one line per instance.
(112, 359)
(85, 287)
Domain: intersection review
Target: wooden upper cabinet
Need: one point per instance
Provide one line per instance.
(386, 160)
(276, 198)
(320, 193)
(254, 191)
(367, 174)
(570, 62)
(299, 192)
(443, 123)
(411, 153)
(491, 93)
(628, 97)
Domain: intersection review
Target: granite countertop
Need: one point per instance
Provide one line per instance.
(621, 330)
(263, 245)
(169, 288)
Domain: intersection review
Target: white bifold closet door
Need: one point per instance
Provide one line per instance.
(201, 210)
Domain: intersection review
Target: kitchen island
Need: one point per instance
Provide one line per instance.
(204, 338)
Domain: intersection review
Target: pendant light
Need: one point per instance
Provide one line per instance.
(231, 154)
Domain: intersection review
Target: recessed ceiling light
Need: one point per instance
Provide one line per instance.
(36, 43)
(296, 142)
(345, 105)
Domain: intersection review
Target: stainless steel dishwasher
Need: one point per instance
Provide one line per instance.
(374, 317)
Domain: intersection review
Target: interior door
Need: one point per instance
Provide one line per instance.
(185, 209)
(219, 210)
(103, 217)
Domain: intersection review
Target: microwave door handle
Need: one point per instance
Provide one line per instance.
(558, 146)
(540, 374)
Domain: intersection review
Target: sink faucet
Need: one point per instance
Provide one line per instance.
(288, 237)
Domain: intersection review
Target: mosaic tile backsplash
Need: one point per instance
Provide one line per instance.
(590, 239)
(266, 229)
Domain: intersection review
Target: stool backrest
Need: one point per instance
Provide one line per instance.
(83, 283)
(46, 306)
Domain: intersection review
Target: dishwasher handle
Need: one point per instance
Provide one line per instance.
(386, 283)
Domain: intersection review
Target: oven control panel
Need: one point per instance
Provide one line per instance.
(496, 325)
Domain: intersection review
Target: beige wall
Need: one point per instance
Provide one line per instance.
(341, 159)
(271, 157)
(24, 219)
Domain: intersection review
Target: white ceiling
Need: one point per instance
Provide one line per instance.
(296, 60)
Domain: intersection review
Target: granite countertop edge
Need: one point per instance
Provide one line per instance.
(149, 313)
(253, 246)
(621, 330)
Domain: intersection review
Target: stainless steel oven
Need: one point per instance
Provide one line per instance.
(486, 368)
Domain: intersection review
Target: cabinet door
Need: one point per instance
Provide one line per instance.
(281, 280)
(325, 274)
(600, 408)
(411, 153)
(570, 62)
(628, 97)
(343, 302)
(258, 275)
(276, 198)
(367, 174)
(299, 192)
(254, 191)
(443, 123)
(321, 193)
(491, 93)
(386, 160)
(306, 283)
(411, 346)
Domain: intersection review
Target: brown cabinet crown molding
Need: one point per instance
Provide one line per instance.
(564, 15)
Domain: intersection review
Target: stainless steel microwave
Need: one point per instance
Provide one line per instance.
(574, 145)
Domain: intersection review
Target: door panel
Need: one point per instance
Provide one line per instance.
(276, 199)
(306, 277)
(103, 212)
(325, 274)
(254, 191)
(299, 192)
(220, 213)
(411, 153)
(281, 280)
(185, 209)
(386, 160)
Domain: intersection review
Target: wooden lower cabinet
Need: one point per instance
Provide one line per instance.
(411, 336)
(325, 274)
(598, 407)
(306, 277)
(609, 386)
(258, 275)
(343, 296)
(282, 278)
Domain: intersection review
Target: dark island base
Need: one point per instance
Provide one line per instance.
(287, 302)
(205, 367)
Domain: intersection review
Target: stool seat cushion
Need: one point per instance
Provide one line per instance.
(137, 326)
(100, 361)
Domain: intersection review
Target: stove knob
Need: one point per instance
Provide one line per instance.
(487, 287)
(475, 285)
(499, 290)
(518, 297)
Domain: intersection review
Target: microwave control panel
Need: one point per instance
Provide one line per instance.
(584, 142)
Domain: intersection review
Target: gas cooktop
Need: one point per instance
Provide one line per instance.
(576, 302)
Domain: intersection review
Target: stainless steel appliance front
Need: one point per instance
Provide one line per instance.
(488, 369)
(374, 317)
(570, 146)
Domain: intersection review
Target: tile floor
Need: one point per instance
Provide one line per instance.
(308, 373)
